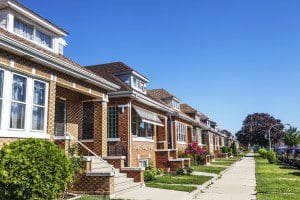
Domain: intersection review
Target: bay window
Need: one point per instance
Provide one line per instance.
(23, 102)
(181, 131)
(43, 39)
(38, 108)
(18, 102)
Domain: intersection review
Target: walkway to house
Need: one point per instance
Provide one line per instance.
(238, 183)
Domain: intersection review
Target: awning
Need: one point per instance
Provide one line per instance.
(148, 116)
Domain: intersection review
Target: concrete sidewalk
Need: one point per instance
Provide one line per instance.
(238, 183)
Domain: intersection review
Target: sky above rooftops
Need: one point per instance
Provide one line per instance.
(227, 58)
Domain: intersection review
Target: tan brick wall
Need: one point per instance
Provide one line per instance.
(93, 185)
(51, 108)
(100, 128)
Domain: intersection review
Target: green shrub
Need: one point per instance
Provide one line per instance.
(189, 170)
(225, 149)
(271, 156)
(33, 169)
(149, 175)
(180, 171)
(234, 150)
(263, 152)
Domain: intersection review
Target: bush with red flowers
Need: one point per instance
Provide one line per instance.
(196, 153)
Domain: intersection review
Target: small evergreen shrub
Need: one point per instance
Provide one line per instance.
(271, 156)
(234, 149)
(33, 169)
(180, 171)
(189, 170)
(225, 149)
(263, 152)
(149, 175)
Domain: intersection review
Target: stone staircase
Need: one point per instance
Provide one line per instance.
(124, 184)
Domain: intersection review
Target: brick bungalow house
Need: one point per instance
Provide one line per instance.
(137, 122)
(45, 95)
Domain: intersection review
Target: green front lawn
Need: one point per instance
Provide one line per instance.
(276, 181)
(209, 169)
(184, 188)
(185, 183)
(223, 163)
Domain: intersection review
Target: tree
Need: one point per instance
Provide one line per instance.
(255, 130)
(33, 169)
(292, 137)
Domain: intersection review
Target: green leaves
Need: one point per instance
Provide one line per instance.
(33, 169)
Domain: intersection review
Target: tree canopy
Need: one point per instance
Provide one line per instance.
(292, 137)
(255, 129)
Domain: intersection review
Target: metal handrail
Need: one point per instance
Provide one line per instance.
(89, 150)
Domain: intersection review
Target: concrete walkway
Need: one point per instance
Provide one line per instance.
(238, 183)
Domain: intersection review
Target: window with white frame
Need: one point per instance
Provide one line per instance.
(23, 29)
(113, 122)
(24, 100)
(175, 104)
(181, 131)
(38, 105)
(194, 135)
(1, 92)
(139, 84)
(18, 102)
(140, 128)
(144, 163)
(32, 33)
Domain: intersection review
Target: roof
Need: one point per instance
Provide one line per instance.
(34, 13)
(50, 53)
(187, 108)
(109, 70)
(161, 94)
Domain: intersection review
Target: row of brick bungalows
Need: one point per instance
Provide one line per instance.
(106, 109)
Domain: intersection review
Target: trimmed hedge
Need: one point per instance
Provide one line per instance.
(34, 169)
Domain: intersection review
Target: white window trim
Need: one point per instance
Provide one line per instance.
(181, 130)
(143, 160)
(116, 123)
(113, 139)
(45, 106)
(5, 130)
(142, 139)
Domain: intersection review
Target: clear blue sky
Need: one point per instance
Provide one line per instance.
(227, 58)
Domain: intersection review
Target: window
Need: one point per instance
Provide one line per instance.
(175, 104)
(32, 33)
(144, 163)
(38, 107)
(18, 103)
(1, 92)
(43, 39)
(181, 130)
(140, 128)
(194, 135)
(60, 49)
(23, 29)
(203, 138)
(88, 121)
(138, 84)
(113, 122)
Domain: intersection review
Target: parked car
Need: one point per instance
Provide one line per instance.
(281, 151)
(290, 156)
(297, 157)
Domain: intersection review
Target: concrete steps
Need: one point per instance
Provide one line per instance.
(124, 184)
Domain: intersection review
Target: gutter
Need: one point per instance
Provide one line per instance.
(55, 63)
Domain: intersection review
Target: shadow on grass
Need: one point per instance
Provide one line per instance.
(295, 173)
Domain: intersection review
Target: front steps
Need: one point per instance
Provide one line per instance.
(124, 184)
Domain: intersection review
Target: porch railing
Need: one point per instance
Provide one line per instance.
(90, 151)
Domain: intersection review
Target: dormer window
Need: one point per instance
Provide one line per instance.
(32, 33)
(23, 29)
(138, 84)
(175, 104)
(43, 39)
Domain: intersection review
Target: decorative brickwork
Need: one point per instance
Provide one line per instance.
(116, 161)
(100, 128)
(136, 173)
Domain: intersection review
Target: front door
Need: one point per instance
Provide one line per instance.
(60, 118)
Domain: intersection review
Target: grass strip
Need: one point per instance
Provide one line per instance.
(184, 188)
(209, 169)
(182, 179)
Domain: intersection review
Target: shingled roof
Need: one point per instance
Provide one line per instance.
(187, 108)
(161, 94)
